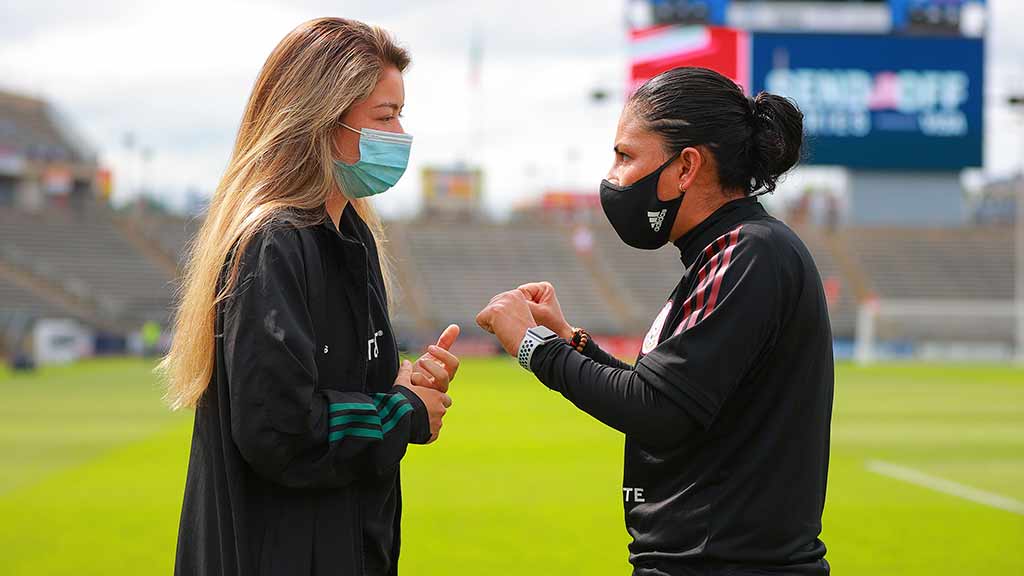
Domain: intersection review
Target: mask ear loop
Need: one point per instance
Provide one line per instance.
(360, 132)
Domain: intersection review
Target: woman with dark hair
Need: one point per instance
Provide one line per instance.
(727, 410)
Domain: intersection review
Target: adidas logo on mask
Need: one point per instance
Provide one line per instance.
(656, 219)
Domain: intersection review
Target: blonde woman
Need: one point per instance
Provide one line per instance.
(282, 339)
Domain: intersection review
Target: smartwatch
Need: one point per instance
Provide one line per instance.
(534, 337)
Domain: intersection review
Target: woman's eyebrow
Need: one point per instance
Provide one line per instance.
(391, 105)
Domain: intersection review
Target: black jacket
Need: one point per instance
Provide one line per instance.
(727, 412)
(294, 467)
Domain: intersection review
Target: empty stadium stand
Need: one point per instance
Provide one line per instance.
(962, 263)
(170, 232)
(646, 278)
(967, 264)
(17, 297)
(460, 267)
(446, 271)
(86, 254)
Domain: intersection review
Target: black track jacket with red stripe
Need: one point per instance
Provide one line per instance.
(728, 408)
(294, 467)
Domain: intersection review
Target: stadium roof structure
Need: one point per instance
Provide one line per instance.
(33, 129)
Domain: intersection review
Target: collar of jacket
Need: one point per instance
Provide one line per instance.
(356, 240)
(351, 227)
(694, 241)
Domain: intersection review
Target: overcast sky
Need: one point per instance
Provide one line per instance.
(177, 75)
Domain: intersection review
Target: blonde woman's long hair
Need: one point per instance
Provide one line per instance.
(282, 162)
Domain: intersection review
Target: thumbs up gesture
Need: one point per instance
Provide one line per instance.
(437, 367)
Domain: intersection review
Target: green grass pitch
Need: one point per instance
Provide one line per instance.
(92, 467)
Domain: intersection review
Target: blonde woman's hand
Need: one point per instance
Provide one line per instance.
(437, 403)
(436, 369)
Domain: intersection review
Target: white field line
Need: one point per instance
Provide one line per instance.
(946, 486)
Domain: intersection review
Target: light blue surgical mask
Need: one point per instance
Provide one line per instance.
(383, 158)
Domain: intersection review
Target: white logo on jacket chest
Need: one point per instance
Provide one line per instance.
(651, 340)
(372, 351)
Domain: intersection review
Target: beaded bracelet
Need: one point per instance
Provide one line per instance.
(579, 340)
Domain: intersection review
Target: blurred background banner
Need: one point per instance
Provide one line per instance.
(659, 48)
(454, 189)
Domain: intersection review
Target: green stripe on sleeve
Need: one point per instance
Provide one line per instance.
(396, 417)
(382, 399)
(360, 432)
(361, 418)
(394, 400)
(352, 406)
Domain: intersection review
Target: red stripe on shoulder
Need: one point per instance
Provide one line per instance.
(718, 254)
(734, 237)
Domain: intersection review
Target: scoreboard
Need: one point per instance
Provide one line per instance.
(880, 102)
(907, 95)
(942, 17)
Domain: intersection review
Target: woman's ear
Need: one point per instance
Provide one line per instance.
(691, 161)
(344, 145)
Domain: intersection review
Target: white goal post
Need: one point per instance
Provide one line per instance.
(938, 329)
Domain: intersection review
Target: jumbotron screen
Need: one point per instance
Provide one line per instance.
(870, 101)
(915, 17)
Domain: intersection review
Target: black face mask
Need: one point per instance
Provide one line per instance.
(640, 218)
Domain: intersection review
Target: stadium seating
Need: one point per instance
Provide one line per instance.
(645, 277)
(17, 298)
(446, 271)
(461, 266)
(170, 232)
(969, 264)
(90, 257)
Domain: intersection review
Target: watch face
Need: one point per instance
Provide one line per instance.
(542, 332)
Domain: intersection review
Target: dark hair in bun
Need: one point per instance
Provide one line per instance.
(754, 140)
